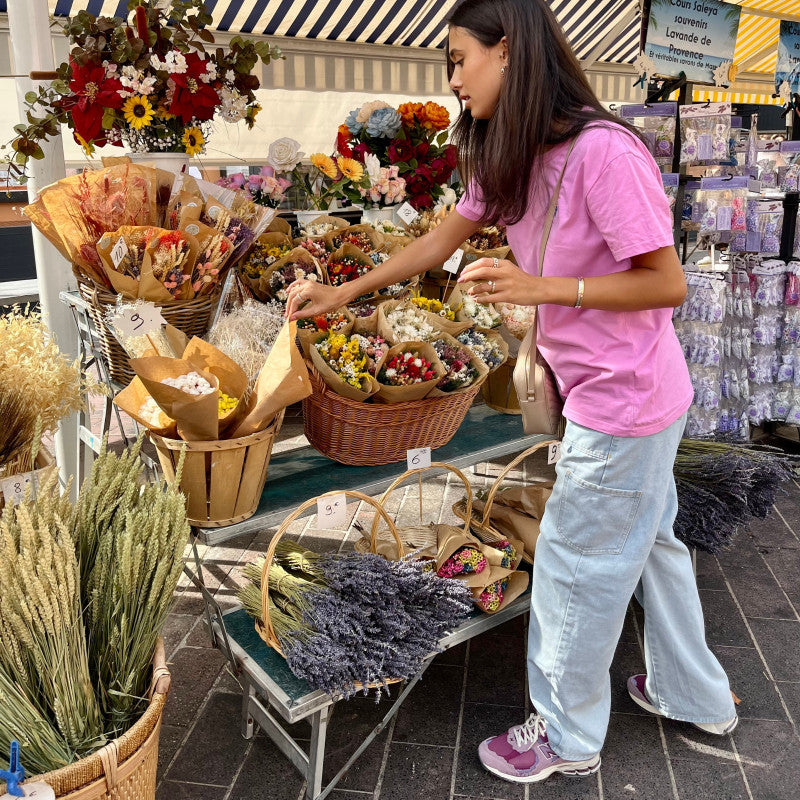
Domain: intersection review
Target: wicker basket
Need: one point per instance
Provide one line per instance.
(367, 434)
(193, 317)
(124, 769)
(222, 479)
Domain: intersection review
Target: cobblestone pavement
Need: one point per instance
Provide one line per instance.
(751, 597)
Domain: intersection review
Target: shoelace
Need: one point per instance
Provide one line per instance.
(527, 734)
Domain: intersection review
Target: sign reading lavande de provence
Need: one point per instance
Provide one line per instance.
(788, 66)
(691, 36)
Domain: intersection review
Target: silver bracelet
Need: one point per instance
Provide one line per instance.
(579, 301)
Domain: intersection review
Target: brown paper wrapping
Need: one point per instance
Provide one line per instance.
(191, 207)
(297, 255)
(501, 343)
(307, 336)
(193, 248)
(40, 217)
(415, 391)
(369, 386)
(375, 237)
(368, 325)
(517, 584)
(337, 222)
(396, 240)
(471, 254)
(349, 250)
(480, 367)
(450, 540)
(279, 225)
(131, 399)
(269, 239)
(283, 380)
(457, 300)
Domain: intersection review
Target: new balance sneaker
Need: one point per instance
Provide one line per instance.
(522, 754)
(639, 696)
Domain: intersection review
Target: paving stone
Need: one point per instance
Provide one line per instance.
(175, 629)
(633, 756)
(688, 743)
(628, 660)
(775, 532)
(173, 790)
(480, 722)
(718, 781)
(496, 671)
(769, 751)
(199, 636)
(454, 656)
(415, 771)
(215, 748)
(709, 574)
(169, 740)
(790, 692)
(267, 774)
(779, 641)
(785, 564)
(193, 674)
(429, 715)
(189, 601)
(750, 683)
(723, 622)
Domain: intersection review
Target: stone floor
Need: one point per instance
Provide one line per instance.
(751, 596)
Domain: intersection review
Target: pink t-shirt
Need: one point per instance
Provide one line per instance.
(620, 372)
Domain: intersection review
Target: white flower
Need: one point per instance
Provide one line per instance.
(447, 199)
(210, 73)
(284, 154)
(156, 63)
(135, 82)
(176, 62)
(373, 166)
(233, 105)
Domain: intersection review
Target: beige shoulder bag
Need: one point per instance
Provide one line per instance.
(534, 381)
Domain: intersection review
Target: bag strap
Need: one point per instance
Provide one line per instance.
(551, 211)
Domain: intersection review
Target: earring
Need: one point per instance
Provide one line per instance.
(502, 70)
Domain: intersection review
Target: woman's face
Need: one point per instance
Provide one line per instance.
(476, 71)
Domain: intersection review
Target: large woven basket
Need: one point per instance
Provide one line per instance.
(222, 479)
(193, 317)
(124, 769)
(368, 434)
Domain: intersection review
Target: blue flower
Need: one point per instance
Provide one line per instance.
(352, 124)
(384, 122)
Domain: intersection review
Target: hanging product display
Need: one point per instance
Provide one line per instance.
(656, 121)
(705, 133)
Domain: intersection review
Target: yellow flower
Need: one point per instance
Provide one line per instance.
(164, 114)
(351, 168)
(88, 147)
(193, 141)
(138, 112)
(324, 164)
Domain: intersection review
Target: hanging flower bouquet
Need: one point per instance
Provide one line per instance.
(412, 139)
(147, 82)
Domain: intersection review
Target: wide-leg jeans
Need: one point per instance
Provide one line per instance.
(605, 535)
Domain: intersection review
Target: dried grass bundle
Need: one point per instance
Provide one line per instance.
(246, 335)
(17, 431)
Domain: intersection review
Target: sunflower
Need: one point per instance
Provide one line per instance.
(193, 141)
(324, 164)
(351, 169)
(138, 111)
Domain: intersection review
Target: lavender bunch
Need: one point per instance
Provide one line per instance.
(722, 485)
(349, 620)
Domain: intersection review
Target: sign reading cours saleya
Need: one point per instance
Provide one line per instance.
(788, 66)
(691, 36)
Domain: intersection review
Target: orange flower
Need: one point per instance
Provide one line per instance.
(351, 168)
(408, 110)
(434, 117)
(325, 165)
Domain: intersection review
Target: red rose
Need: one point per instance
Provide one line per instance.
(400, 150)
(420, 181)
(421, 150)
(451, 156)
(441, 170)
(193, 97)
(421, 201)
(360, 150)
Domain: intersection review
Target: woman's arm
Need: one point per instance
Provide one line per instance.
(655, 280)
(428, 251)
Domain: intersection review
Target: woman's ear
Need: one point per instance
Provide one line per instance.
(504, 51)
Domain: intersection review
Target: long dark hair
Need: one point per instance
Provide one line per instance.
(545, 100)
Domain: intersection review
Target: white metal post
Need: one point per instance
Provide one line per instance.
(32, 50)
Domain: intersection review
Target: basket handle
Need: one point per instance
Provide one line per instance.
(409, 473)
(498, 480)
(284, 527)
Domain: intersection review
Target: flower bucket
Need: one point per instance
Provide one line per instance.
(125, 768)
(174, 162)
(222, 479)
(371, 215)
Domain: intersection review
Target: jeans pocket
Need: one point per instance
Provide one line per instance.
(595, 520)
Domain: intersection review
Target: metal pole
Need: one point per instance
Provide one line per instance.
(32, 51)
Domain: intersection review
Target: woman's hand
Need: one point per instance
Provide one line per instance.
(500, 281)
(311, 299)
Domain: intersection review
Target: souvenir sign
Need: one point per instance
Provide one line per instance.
(787, 68)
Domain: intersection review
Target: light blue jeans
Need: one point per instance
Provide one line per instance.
(605, 535)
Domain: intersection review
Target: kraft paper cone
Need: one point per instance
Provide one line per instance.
(299, 255)
(367, 325)
(456, 301)
(283, 380)
(471, 254)
(450, 540)
(132, 398)
(279, 225)
(369, 384)
(476, 363)
(501, 344)
(439, 323)
(416, 391)
(517, 584)
(333, 239)
(197, 416)
(307, 336)
(326, 219)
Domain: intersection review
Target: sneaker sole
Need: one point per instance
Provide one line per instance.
(699, 725)
(585, 768)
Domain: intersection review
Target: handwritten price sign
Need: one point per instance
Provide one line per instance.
(332, 511)
(454, 262)
(418, 458)
(14, 488)
(407, 213)
(553, 452)
(139, 319)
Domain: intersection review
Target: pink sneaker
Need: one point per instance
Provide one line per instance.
(524, 755)
(639, 696)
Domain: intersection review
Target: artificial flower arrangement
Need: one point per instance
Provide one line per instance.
(147, 82)
(262, 188)
(412, 138)
(386, 187)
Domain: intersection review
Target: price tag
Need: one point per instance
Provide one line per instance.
(332, 511)
(454, 262)
(138, 320)
(119, 251)
(407, 213)
(418, 458)
(553, 452)
(14, 487)
(38, 790)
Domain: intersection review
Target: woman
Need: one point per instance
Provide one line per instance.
(611, 278)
